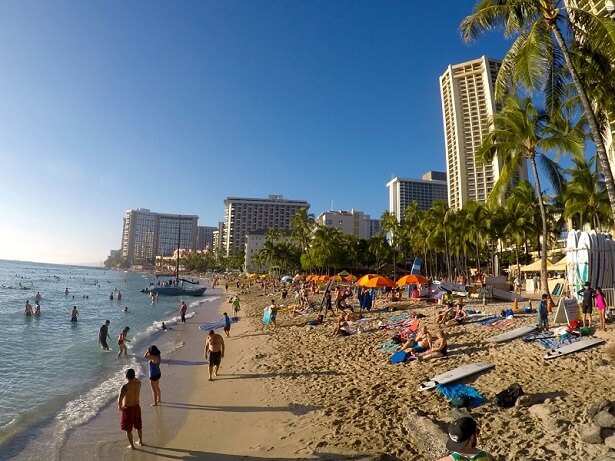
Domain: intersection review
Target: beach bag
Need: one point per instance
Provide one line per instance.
(462, 401)
(396, 339)
(508, 397)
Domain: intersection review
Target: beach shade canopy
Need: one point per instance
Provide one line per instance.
(561, 265)
(287, 279)
(363, 280)
(411, 279)
(344, 274)
(535, 266)
(298, 277)
(350, 278)
(323, 278)
(379, 281)
(336, 278)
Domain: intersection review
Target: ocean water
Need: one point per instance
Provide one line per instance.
(52, 370)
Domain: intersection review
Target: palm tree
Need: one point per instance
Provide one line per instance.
(521, 132)
(302, 227)
(436, 232)
(540, 58)
(521, 220)
(585, 198)
(390, 225)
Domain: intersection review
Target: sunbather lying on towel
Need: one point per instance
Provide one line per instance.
(420, 343)
(438, 348)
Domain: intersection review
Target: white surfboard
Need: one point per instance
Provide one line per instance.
(583, 262)
(573, 347)
(505, 295)
(455, 375)
(512, 334)
(571, 257)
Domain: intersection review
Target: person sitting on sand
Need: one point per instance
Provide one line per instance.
(444, 315)
(420, 343)
(459, 315)
(462, 440)
(437, 349)
(341, 327)
(351, 316)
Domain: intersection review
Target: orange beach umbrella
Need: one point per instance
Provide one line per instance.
(379, 281)
(411, 279)
(350, 278)
(363, 280)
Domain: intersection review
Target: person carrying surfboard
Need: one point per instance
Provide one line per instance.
(462, 440)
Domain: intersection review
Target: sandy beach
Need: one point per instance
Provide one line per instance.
(299, 393)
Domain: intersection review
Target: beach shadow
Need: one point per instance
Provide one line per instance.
(295, 409)
(183, 362)
(282, 374)
(183, 454)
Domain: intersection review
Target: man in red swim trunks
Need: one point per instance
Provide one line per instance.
(128, 404)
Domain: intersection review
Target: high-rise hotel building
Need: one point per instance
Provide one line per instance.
(426, 191)
(468, 102)
(147, 234)
(243, 215)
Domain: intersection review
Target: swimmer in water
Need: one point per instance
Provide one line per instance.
(28, 309)
(74, 313)
(66, 291)
(37, 310)
(126, 309)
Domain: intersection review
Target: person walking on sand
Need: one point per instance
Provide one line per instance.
(103, 334)
(122, 340)
(153, 355)
(214, 347)
(236, 307)
(227, 325)
(128, 405)
(462, 440)
(74, 313)
(182, 311)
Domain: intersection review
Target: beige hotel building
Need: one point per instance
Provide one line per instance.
(468, 102)
(244, 215)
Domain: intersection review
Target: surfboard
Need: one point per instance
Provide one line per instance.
(267, 316)
(505, 295)
(512, 334)
(571, 257)
(573, 347)
(583, 262)
(455, 375)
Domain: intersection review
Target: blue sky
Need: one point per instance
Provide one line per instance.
(174, 106)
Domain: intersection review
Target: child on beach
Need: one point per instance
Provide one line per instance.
(543, 314)
(601, 307)
(122, 340)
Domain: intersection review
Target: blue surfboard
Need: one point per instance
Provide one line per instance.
(267, 316)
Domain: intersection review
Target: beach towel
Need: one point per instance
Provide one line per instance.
(399, 357)
(461, 391)
(500, 323)
(557, 341)
(388, 347)
(490, 321)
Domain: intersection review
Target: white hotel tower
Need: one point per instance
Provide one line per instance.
(468, 102)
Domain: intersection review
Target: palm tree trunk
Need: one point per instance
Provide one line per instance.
(543, 215)
(591, 118)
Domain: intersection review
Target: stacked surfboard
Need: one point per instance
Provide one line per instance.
(591, 258)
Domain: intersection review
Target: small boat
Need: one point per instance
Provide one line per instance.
(176, 289)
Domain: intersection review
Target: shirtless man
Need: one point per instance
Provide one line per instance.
(38, 297)
(182, 311)
(214, 346)
(128, 404)
(74, 313)
(28, 309)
